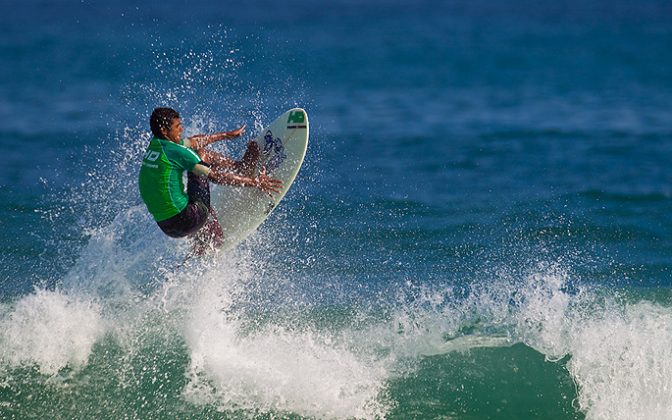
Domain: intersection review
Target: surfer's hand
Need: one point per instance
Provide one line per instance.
(267, 184)
(237, 132)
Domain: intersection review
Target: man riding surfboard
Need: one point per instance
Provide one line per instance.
(181, 213)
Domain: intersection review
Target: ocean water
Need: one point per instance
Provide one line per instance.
(482, 228)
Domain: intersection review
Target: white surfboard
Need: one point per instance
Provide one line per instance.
(241, 210)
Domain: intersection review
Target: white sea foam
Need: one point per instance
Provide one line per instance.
(619, 352)
(51, 330)
(622, 363)
(273, 368)
(543, 317)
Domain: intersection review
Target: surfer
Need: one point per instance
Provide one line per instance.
(189, 214)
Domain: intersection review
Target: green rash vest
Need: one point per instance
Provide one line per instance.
(161, 184)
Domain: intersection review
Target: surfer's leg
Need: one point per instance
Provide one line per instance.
(187, 222)
(198, 188)
(209, 238)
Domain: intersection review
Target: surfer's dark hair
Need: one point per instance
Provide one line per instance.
(162, 118)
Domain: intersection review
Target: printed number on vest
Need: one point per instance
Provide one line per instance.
(152, 155)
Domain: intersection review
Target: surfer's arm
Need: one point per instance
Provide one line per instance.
(200, 170)
(262, 181)
(200, 141)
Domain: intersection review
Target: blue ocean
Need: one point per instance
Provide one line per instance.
(482, 228)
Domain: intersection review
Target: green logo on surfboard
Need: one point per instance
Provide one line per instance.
(296, 117)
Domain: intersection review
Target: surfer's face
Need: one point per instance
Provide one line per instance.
(174, 132)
